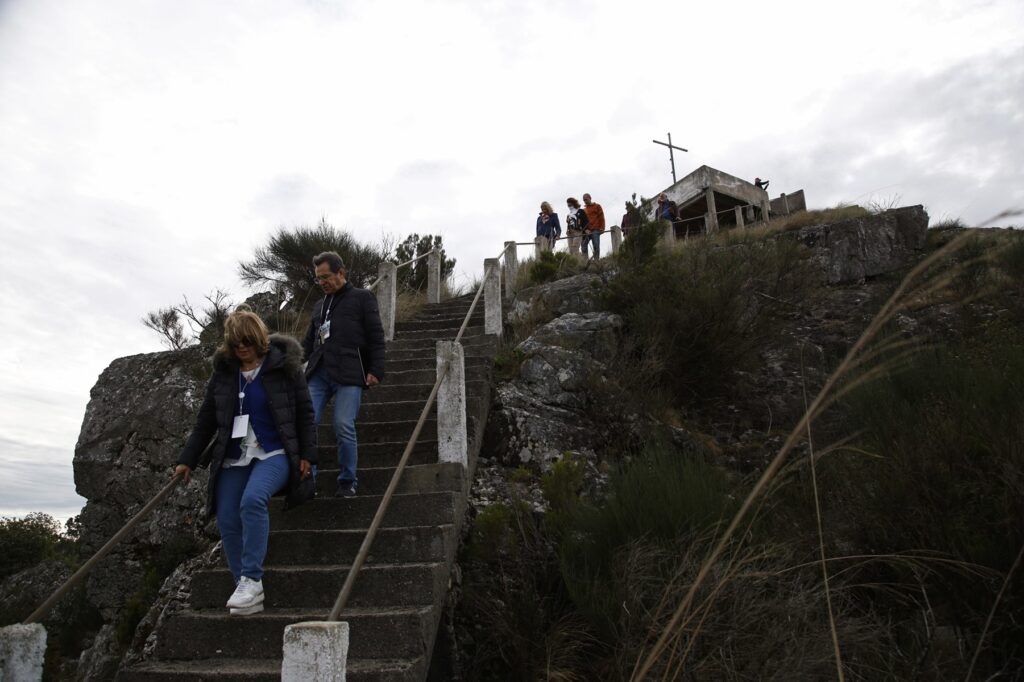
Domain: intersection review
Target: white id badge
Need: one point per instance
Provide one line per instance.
(241, 426)
(325, 331)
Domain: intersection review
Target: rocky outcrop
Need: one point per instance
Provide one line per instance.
(543, 412)
(853, 249)
(578, 294)
(139, 415)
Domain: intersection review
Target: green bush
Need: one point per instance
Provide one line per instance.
(945, 477)
(701, 311)
(551, 266)
(26, 541)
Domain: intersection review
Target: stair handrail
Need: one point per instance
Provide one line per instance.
(80, 574)
(378, 518)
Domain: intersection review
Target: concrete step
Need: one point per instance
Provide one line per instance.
(332, 513)
(428, 353)
(316, 587)
(390, 394)
(430, 360)
(381, 412)
(381, 432)
(392, 545)
(442, 321)
(268, 670)
(417, 478)
(436, 333)
(374, 455)
(398, 633)
(478, 341)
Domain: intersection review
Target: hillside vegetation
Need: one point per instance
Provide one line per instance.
(880, 538)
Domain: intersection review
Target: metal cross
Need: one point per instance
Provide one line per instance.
(671, 157)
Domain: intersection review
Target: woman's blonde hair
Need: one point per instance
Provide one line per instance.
(245, 325)
(546, 207)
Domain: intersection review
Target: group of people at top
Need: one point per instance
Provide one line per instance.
(583, 225)
(262, 406)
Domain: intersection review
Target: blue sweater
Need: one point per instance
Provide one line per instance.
(258, 409)
(550, 229)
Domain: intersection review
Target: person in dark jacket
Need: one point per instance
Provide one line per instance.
(258, 406)
(345, 351)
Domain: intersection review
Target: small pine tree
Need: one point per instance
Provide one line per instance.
(414, 276)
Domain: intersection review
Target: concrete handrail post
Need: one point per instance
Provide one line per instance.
(511, 268)
(739, 216)
(616, 238)
(387, 297)
(785, 204)
(434, 277)
(315, 651)
(765, 211)
(711, 217)
(541, 244)
(668, 233)
(22, 649)
(492, 296)
(452, 445)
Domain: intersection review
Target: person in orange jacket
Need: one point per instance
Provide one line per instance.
(595, 226)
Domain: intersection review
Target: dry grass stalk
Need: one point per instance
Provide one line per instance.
(992, 613)
(889, 309)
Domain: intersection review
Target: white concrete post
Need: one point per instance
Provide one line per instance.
(22, 649)
(712, 214)
(765, 211)
(785, 204)
(739, 216)
(707, 224)
(668, 235)
(511, 268)
(315, 651)
(452, 443)
(541, 244)
(492, 296)
(616, 238)
(750, 213)
(387, 295)
(434, 277)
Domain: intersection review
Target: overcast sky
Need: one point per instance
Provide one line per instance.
(146, 147)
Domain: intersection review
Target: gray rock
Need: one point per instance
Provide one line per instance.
(577, 294)
(850, 250)
(543, 413)
(22, 593)
(140, 413)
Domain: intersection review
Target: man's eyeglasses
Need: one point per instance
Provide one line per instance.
(244, 341)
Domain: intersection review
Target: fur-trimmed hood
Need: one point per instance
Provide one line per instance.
(284, 351)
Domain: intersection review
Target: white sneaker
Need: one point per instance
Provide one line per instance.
(247, 597)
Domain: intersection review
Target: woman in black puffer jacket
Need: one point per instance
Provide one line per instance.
(258, 406)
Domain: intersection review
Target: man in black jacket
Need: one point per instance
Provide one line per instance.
(345, 351)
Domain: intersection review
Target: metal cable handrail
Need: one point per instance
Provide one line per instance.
(378, 518)
(71, 582)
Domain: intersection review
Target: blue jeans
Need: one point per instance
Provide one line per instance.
(592, 237)
(346, 408)
(243, 494)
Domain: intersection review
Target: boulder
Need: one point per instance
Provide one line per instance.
(139, 415)
(543, 412)
(853, 249)
(577, 294)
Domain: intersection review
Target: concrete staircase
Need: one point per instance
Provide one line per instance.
(396, 605)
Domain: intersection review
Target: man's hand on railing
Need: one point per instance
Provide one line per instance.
(184, 472)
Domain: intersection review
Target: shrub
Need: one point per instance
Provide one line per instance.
(698, 312)
(26, 541)
(550, 266)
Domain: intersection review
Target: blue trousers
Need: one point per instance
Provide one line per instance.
(592, 238)
(347, 400)
(243, 494)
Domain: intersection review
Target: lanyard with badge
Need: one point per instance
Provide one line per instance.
(240, 427)
(325, 324)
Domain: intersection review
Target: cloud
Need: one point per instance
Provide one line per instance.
(37, 478)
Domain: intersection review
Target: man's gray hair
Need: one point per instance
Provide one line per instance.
(332, 259)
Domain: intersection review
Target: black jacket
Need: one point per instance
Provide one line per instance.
(290, 406)
(355, 347)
